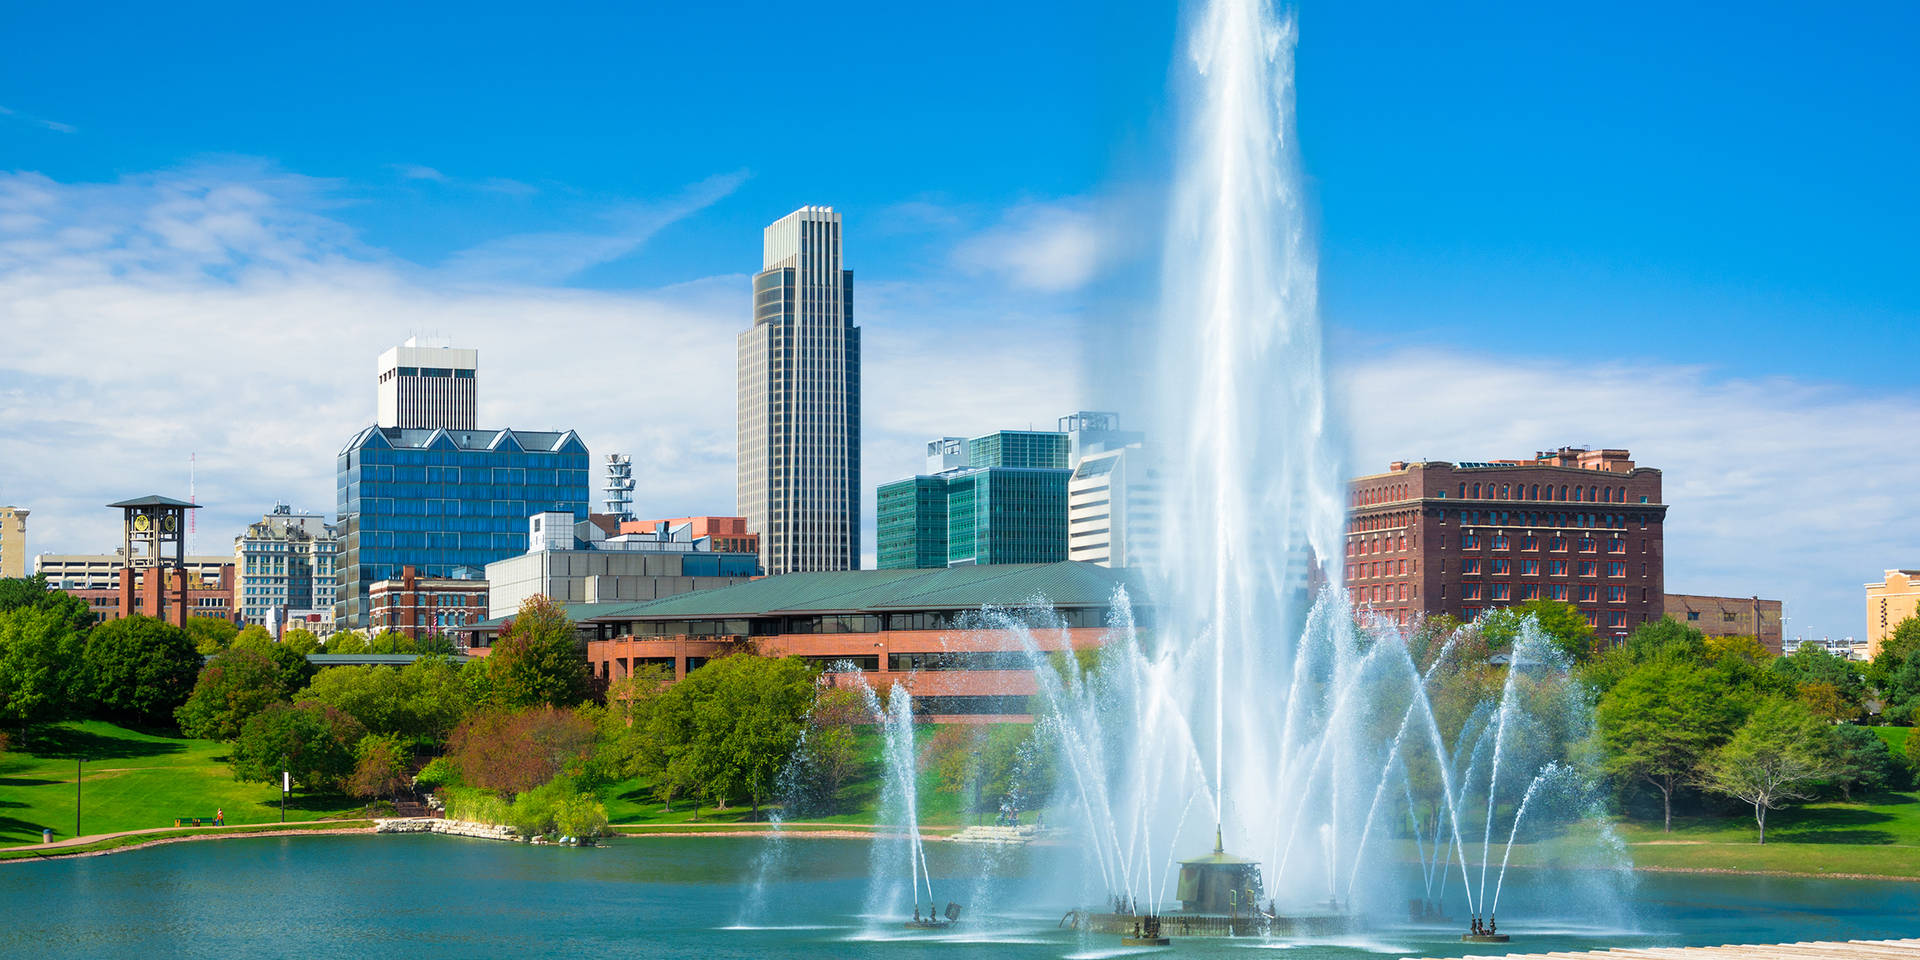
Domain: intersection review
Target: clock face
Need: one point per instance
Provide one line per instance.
(142, 523)
(169, 524)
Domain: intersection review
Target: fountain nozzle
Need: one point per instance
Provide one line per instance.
(1218, 847)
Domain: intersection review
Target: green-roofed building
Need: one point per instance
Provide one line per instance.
(922, 628)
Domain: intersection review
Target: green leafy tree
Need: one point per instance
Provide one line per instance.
(314, 741)
(210, 635)
(1812, 665)
(380, 766)
(1862, 761)
(1562, 623)
(1911, 752)
(421, 702)
(391, 641)
(234, 686)
(346, 641)
(140, 669)
(301, 641)
(40, 664)
(1657, 725)
(1779, 756)
(1904, 641)
(34, 592)
(253, 637)
(734, 723)
(538, 659)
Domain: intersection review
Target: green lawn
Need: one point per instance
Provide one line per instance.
(132, 781)
(1880, 836)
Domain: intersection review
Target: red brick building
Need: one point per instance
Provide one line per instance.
(1574, 525)
(423, 606)
(172, 594)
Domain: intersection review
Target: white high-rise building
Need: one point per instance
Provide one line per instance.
(427, 386)
(1113, 507)
(798, 469)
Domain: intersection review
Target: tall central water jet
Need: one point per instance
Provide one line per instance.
(1256, 485)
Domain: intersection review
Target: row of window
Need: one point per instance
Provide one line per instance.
(1578, 493)
(1501, 566)
(1612, 618)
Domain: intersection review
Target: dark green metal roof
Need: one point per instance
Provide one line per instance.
(373, 659)
(155, 500)
(1063, 584)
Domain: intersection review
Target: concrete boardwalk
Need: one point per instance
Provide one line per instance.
(1811, 950)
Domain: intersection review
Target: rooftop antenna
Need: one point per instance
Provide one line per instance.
(193, 498)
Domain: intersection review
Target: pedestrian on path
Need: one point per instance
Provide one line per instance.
(220, 816)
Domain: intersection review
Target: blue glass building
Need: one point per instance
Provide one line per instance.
(441, 500)
(1008, 505)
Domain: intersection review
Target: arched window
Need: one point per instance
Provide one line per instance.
(1577, 495)
(1476, 491)
(1620, 496)
(1504, 490)
(1563, 491)
(1534, 492)
(1463, 489)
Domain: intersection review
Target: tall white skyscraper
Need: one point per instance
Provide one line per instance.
(427, 386)
(798, 469)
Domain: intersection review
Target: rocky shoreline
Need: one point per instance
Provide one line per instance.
(452, 828)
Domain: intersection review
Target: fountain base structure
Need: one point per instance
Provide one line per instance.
(1219, 897)
(933, 921)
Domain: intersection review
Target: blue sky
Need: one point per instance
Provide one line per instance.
(1708, 211)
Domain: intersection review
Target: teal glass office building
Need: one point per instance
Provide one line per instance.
(1008, 506)
(446, 501)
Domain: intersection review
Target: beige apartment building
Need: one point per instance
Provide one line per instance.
(13, 541)
(1893, 599)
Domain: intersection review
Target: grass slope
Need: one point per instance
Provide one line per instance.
(132, 781)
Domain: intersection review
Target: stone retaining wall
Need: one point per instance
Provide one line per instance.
(456, 828)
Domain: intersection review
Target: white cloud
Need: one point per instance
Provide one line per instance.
(552, 257)
(54, 125)
(1780, 488)
(415, 171)
(1044, 247)
(218, 311)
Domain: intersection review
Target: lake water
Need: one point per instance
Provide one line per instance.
(431, 896)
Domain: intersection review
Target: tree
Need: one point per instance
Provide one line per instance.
(391, 641)
(346, 641)
(1658, 723)
(538, 659)
(210, 635)
(140, 669)
(731, 725)
(421, 702)
(34, 592)
(301, 641)
(380, 766)
(1812, 665)
(1775, 759)
(255, 637)
(1904, 641)
(314, 741)
(1912, 754)
(1826, 702)
(233, 687)
(510, 752)
(1862, 761)
(1563, 623)
(40, 675)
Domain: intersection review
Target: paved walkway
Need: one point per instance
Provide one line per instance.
(1812, 950)
(96, 837)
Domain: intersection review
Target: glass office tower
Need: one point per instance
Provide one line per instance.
(446, 501)
(1008, 506)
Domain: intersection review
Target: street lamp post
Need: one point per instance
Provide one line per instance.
(285, 781)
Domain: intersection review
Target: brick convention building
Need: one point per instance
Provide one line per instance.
(1575, 525)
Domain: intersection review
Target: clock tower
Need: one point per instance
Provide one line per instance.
(153, 576)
